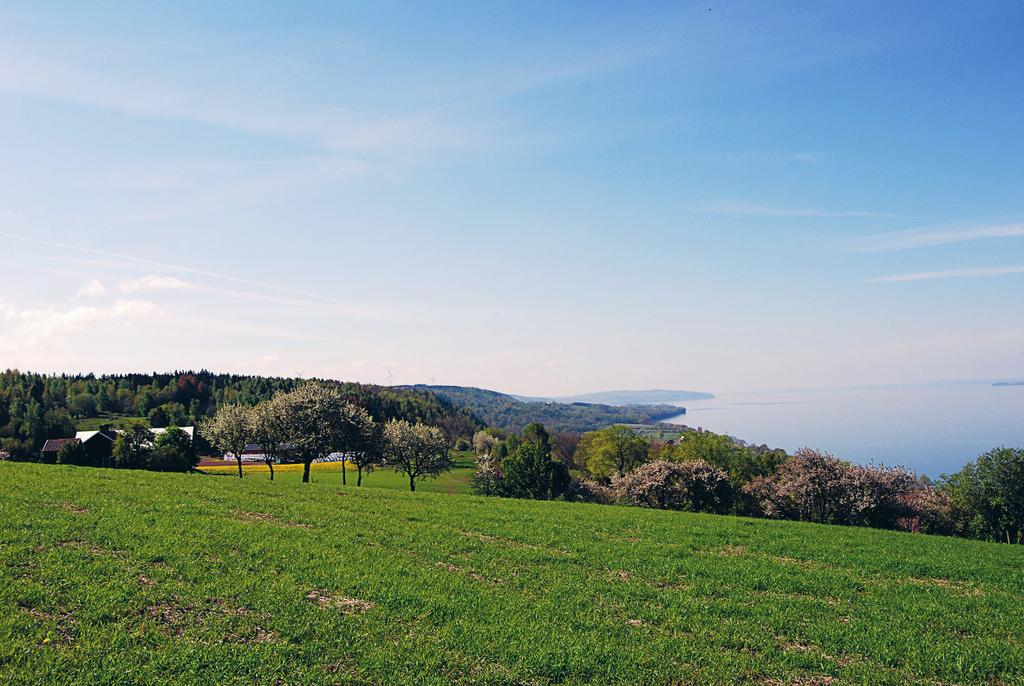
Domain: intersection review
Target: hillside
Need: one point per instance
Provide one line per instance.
(618, 398)
(118, 577)
(510, 413)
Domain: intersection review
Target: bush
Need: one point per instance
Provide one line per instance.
(529, 472)
(931, 512)
(73, 452)
(172, 452)
(816, 487)
(591, 491)
(462, 444)
(488, 478)
(692, 486)
(988, 496)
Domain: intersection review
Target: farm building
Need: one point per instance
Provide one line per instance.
(99, 444)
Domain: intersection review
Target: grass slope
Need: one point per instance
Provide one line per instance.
(329, 474)
(134, 577)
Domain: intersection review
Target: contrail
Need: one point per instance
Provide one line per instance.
(187, 270)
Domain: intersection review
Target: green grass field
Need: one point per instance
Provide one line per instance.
(132, 577)
(329, 473)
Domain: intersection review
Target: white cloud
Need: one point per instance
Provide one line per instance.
(93, 289)
(153, 282)
(948, 274)
(31, 327)
(920, 238)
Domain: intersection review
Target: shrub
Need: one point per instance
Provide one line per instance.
(988, 496)
(172, 452)
(529, 472)
(488, 478)
(73, 452)
(591, 491)
(814, 486)
(694, 486)
(930, 512)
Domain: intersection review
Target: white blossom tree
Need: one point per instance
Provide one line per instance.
(230, 430)
(416, 450)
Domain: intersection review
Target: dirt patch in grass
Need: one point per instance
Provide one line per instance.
(75, 508)
(809, 680)
(61, 624)
(732, 551)
(349, 606)
(796, 562)
(957, 587)
(263, 517)
(176, 618)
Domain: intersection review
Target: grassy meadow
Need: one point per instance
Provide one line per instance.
(136, 577)
(329, 473)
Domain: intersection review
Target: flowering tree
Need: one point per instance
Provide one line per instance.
(319, 422)
(694, 486)
(270, 428)
(230, 430)
(816, 487)
(416, 450)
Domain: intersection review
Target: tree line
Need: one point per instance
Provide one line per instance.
(316, 421)
(702, 471)
(35, 407)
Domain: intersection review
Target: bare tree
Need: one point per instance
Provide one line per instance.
(416, 450)
(230, 430)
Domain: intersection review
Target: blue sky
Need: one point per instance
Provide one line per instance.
(539, 198)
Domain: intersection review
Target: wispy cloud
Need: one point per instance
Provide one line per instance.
(948, 274)
(187, 270)
(926, 238)
(153, 282)
(442, 113)
(739, 207)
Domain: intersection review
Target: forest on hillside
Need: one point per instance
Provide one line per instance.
(505, 412)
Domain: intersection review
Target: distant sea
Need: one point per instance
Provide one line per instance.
(930, 428)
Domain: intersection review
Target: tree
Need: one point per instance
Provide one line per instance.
(817, 487)
(612, 451)
(484, 441)
(416, 450)
(173, 451)
(270, 428)
(82, 405)
(319, 422)
(367, 449)
(693, 486)
(230, 430)
(988, 496)
(563, 448)
(531, 473)
(132, 446)
(73, 452)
